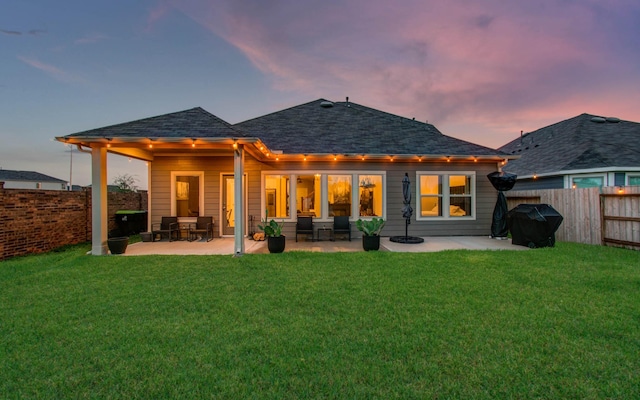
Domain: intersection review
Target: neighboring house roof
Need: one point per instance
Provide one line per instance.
(580, 143)
(324, 127)
(27, 176)
(195, 122)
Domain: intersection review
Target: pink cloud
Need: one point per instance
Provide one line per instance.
(499, 66)
(51, 70)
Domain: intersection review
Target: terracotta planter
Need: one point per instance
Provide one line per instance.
(276, 244)
(118, 245)
(370, 242)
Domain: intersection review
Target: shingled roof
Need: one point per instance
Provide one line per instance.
(195, 122)
(324, 127)
(579, 143)
(26, 176)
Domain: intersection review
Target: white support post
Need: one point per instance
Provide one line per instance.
(99, 208)
(238, 174)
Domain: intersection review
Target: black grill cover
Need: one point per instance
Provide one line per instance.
(533, 225)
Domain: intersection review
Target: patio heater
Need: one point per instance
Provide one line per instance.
(503, 182)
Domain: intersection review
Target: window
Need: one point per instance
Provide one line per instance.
(277, 195)
(445, 195)
(634, 180)
(187, 198)
(459, 195)
(430, 196)
(370, 196)
(339, 194)
(587, 182)
(324, 194)
(308, 192)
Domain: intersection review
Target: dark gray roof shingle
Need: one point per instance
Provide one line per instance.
(27, 176)
(577, 143)
(346, 127)
(195, 122)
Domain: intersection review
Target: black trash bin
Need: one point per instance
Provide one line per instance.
(131, 222)
(533, 225)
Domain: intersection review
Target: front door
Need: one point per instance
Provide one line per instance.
(228, 220)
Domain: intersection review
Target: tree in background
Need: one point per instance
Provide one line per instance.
(126, 183)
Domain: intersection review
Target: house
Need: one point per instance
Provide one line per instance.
(580, 152)
(320, 159)
(30, 180)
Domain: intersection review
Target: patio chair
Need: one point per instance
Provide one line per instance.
(341, 225)
(168, 226)
(203, 226)
(304, 226)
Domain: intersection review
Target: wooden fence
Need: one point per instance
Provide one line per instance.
(608, 215)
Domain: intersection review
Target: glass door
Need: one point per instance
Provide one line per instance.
(228, 205)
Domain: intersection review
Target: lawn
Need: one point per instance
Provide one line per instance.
(561, 322)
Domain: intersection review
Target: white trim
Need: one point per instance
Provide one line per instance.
(605, 179)
(324, 209)
(200, 175)
(445, 195)
(628, 178)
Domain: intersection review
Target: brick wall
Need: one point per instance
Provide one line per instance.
(36, 221)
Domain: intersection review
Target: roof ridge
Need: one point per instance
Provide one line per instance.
(284, 109)
(395, 117)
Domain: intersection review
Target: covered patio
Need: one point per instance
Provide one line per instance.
(225, 246)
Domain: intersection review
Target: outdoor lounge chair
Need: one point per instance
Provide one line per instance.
(341, 225)
(168, 226)
(203, 227)
(304, 226)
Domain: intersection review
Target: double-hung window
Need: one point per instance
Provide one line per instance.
(446, 195)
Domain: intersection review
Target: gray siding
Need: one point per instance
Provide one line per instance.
(213, 166)
(551, 182)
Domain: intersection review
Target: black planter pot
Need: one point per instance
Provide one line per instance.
(370, 242)
(118, 245)
(276, 244)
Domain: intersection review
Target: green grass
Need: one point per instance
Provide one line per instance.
(548, 323)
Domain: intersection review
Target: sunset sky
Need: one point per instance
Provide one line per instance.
(478, 70)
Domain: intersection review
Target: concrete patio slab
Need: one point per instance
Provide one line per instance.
(225, 246)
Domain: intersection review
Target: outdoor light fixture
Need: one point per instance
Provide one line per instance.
(108, 142)
(335, 158)
(621, 190)
(535, 176)
(193, 143)
(150, 143)
(363, 157)
(420, 158)
(448, 158)
(475, 159)
(305, 157)
(235, 145)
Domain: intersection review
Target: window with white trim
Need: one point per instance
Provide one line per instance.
(587, 182)
(445, 195)
(323, 194)
(633, 180)
(187, 193)
(276, 194)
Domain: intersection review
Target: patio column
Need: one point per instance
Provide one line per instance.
(238, 173)
(99, 219)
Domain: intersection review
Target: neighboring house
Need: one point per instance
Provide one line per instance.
(320, 159)
(30, 180)
(583, 151)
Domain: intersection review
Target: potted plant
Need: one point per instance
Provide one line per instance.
(370, 232)
(273, 231)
